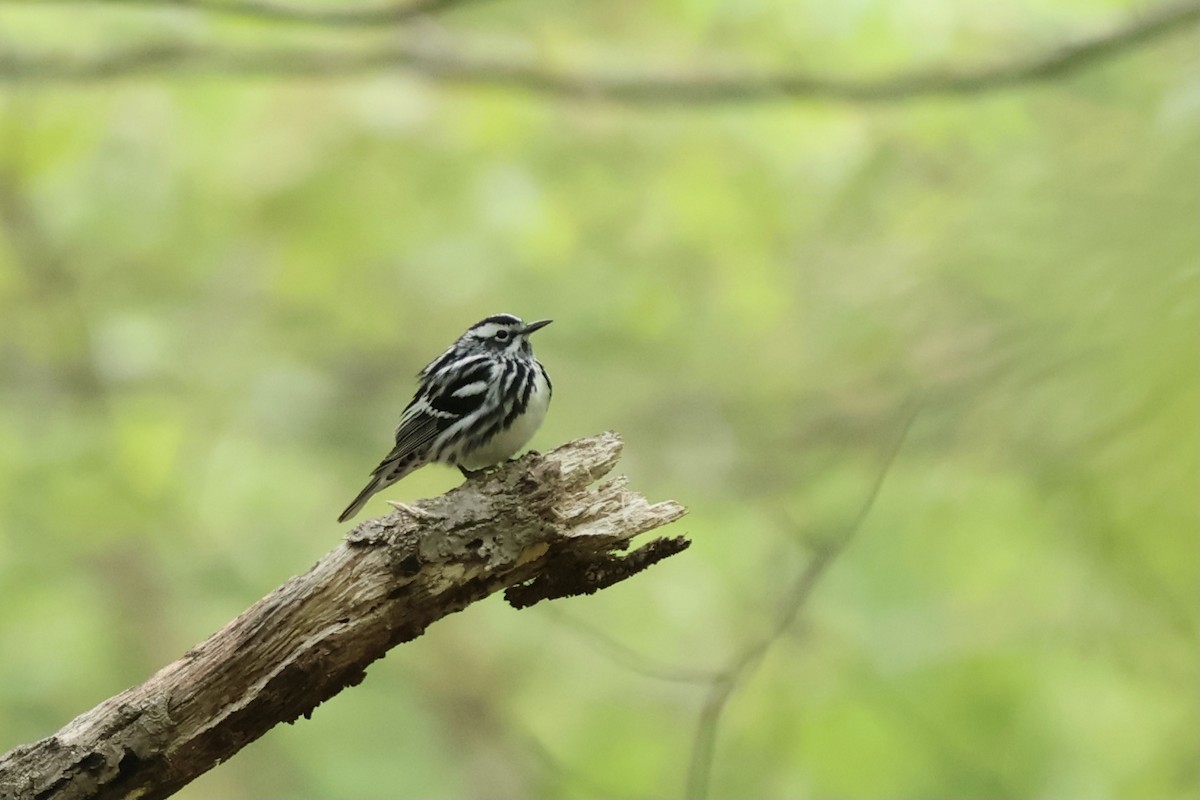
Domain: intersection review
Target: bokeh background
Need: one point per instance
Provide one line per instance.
(924, 369)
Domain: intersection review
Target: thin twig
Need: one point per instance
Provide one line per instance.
(625, 656)
(632, 89)
(743, 664)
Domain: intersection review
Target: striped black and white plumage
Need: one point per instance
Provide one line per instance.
(478, 403)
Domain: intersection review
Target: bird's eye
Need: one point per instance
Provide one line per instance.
(502, 336)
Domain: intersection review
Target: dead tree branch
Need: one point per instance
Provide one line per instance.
(535, 528)
(631, 89)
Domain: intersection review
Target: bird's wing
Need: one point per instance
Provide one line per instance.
(443, 399)
(455, 391)
(415, 433)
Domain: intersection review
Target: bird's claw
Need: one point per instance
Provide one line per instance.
(471, 474)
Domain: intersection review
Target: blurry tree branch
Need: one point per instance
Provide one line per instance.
(536, 529)
(626, 657)
(743, 664)
(644, 89)
(334, 16)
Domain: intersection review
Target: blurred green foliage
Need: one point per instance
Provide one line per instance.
(215, 292)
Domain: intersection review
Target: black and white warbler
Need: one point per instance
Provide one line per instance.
(477, 404)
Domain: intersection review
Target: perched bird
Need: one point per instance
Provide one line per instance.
(477, 404)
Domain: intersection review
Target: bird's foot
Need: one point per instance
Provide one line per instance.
(471, 474)
(412, 511)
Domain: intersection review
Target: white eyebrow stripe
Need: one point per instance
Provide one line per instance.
(478, 387)
(486, 331)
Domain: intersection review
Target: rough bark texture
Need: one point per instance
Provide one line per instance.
(537, 528)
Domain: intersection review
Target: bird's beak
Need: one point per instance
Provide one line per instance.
(536, 326)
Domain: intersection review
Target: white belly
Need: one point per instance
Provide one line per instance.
(504, 445)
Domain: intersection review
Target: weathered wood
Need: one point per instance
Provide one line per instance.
(536, 527)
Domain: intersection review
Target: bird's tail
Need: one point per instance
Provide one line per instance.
(377, 483)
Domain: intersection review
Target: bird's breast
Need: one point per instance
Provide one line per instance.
(507, 442)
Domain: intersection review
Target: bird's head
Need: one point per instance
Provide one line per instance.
(502, 334)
